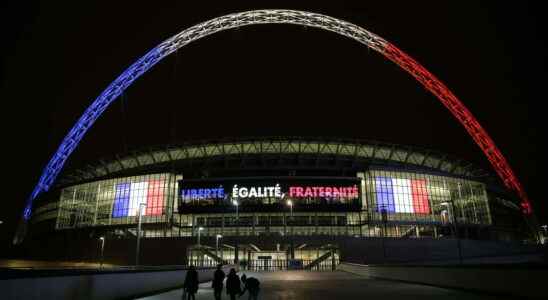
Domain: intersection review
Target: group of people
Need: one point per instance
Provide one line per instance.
(233, 284)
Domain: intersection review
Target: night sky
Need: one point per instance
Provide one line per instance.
(269, 80)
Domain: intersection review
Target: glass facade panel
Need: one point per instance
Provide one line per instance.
(420, 197)
(116, 201)
(394, 203)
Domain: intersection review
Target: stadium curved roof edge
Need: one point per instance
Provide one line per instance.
(344, 148)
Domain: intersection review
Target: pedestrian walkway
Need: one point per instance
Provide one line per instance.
(330, 285)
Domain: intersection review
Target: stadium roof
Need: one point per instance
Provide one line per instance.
(347, 150)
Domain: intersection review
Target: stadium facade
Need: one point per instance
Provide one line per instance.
(270, 200)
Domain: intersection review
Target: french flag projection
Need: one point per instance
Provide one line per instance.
(129, 196)
(396, 195)
(155, 198)
(121, 200)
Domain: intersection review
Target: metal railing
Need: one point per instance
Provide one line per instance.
(270, 264)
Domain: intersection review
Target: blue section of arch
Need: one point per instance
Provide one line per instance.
(75, 135)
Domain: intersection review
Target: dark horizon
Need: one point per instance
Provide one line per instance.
(272, 80)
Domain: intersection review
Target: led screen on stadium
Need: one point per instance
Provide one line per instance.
(269, 191)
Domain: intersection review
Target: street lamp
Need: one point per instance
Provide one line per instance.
(452, 213)
(102, 250)
(199, 230)
(292, 251)
(236, 250)
(217, 246)
(290, 203)
(201, 254)
(141, 206)
(235, 203)
(384, 218)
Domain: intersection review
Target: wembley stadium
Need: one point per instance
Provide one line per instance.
(276, 202)
(270, 201)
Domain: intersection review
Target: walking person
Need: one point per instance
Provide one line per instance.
(233, 287)
(190, 285)
(217, 283)
(251, 285)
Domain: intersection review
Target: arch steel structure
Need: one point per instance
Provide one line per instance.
(273, 16)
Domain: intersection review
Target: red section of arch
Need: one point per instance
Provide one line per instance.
(480, 136)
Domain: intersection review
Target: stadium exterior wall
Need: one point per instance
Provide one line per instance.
(314, 193)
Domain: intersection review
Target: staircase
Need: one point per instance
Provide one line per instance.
(318, 260)
(211, 255)
(409, 232)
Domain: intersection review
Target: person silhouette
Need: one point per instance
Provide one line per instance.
(233, 287)
(251, 285)
(190, 285)
(217, 283)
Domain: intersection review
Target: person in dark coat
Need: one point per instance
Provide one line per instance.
(191, 283)
(233, 287)
(217, 283)
(251, 285)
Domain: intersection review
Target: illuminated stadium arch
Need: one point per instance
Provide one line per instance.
(272, 16)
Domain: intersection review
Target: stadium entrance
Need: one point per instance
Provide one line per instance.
(251, 257)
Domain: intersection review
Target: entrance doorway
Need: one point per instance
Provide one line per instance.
(253, 258)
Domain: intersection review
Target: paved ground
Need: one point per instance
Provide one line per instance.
(338, 285)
